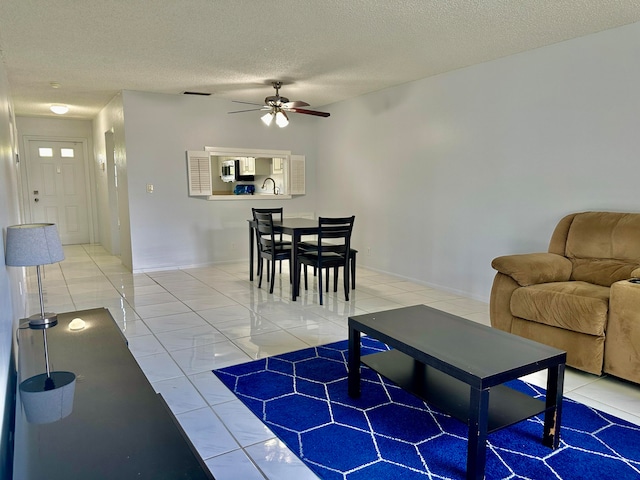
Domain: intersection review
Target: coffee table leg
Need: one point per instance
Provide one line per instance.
(354, 362)
(553, 413)
(478, 421)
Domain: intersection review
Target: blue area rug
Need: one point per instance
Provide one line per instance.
(389, 434)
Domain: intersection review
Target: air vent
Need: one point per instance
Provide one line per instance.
(204, 94)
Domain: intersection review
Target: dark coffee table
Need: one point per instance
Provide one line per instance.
(459, 366)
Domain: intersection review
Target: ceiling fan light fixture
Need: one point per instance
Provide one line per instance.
(267, 118)
(281, 119)
(277, 108)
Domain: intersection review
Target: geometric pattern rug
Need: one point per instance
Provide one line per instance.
(389, 433)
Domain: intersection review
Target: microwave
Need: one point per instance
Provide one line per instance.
(230, 172)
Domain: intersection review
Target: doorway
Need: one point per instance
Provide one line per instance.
(57, 188)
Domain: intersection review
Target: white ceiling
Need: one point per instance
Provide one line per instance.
(323, 50)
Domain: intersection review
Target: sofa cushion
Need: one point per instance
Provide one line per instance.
(603, 272)
(605, 235)
(577, 306)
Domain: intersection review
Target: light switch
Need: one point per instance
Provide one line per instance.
(149, 188)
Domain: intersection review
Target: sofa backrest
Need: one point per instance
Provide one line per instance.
(604, 247)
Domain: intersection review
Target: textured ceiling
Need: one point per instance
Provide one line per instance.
(323, 50)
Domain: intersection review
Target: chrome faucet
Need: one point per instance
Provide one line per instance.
(275, 192)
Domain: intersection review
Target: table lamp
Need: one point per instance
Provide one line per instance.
(47, 397)
(35, 244)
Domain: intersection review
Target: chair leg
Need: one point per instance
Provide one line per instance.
(335, 279)
(273, 276)
(353, 271)
(306, 284)
(320, 285)
(268, 270)
(326, 279)
(260, 268)
(346, 282)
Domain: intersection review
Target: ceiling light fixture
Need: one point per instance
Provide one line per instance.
(267, 118)
(281, 119)
(59, 109)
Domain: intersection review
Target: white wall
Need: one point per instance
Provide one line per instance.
(448, 172)
(170, 229)
(11, 302)
(111, 119)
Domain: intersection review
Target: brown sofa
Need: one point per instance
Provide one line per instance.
(578, 297)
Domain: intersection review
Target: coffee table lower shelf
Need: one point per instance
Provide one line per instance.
(506, 405)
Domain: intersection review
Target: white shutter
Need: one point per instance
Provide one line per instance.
(199, 172)
(296, 174)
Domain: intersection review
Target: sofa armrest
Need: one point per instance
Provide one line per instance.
(622, 344)
(636, 273)
(533, 268)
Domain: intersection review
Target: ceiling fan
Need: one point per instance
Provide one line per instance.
(277, 108)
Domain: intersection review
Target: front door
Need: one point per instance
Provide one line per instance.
(57, 188)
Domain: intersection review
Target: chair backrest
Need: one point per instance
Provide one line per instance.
(277, 213)
(338, 230)
(264, 230)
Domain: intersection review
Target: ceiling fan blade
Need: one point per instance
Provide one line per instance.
(250, 110)
(308, 112)
(248, 103)
(295, 104)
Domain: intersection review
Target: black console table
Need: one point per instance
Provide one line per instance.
(120, 428)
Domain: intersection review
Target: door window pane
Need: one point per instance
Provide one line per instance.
(45, 152)
(67, 152)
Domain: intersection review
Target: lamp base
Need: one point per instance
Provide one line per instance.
(40, 322)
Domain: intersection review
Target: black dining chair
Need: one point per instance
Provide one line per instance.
(278, 214)
(269, 248)
(327, 247)
(335, 234)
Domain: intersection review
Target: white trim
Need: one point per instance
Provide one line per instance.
(244, 152)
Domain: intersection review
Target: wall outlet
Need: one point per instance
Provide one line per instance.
(149, 188)
(369, 251)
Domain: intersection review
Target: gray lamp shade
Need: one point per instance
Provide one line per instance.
(33, 244)
(48, 399)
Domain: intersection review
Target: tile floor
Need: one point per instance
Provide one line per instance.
(181, 324)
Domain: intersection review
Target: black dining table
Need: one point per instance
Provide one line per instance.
(296, 228)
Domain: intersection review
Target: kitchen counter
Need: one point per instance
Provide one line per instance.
(260, 196)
